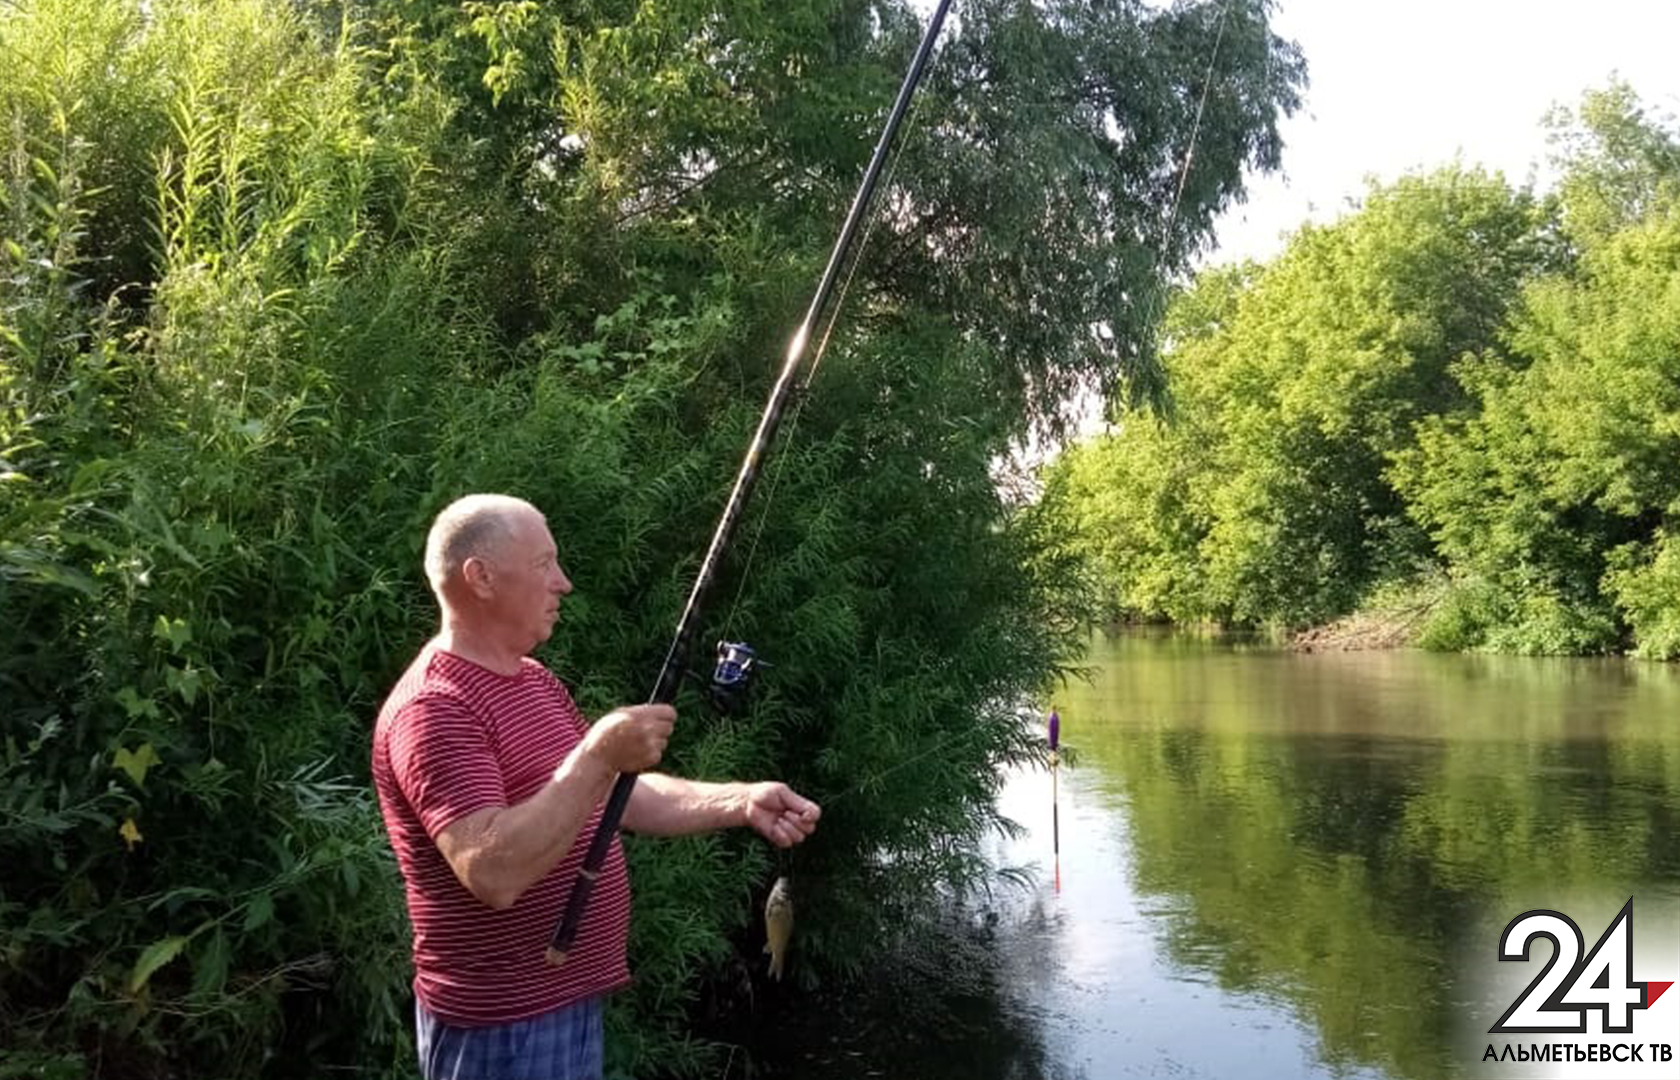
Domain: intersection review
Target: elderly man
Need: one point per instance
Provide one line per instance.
(491, 784)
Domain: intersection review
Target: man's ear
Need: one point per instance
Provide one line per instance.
(477, 573)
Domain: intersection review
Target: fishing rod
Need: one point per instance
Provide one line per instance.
(735, 660)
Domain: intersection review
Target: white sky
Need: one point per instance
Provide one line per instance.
(1399, 85)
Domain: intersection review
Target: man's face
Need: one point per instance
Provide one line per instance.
(528, 582)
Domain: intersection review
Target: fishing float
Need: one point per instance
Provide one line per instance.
(1055, 739)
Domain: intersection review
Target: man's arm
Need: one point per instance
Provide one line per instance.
(500, 851)
(664, 805)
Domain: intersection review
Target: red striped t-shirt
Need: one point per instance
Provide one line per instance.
(453, 738)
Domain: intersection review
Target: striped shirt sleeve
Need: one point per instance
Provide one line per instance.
(443, 762)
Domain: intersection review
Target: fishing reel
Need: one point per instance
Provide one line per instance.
(732, 675)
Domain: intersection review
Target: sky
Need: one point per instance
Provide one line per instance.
(1401, 85)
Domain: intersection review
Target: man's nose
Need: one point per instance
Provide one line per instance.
(562, 583)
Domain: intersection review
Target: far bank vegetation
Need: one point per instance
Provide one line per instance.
(1448, 420)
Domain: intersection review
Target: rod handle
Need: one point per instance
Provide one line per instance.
(566, 931)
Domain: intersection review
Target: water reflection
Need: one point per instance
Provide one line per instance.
(1313, 842)
(1281, 865)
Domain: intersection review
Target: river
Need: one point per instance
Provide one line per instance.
(1283, 865)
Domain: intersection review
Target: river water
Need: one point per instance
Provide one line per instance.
(1263, 864)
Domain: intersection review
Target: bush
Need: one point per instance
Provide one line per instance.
(282, 279)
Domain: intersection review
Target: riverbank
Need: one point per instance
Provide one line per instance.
(1361, 631)
(1395, 618)
(1358, 632)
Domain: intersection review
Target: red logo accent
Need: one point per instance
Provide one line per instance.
(1653, 991)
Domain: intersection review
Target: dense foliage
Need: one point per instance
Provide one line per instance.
(283, 278)
(1456, 404)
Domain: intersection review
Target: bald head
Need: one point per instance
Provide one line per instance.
(475, 526)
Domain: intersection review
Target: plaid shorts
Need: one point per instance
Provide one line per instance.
(564, 1044)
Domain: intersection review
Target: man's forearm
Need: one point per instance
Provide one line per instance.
(499, 853)
(547, 824)
(664, 805)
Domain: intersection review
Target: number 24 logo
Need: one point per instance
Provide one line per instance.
(1603, 981)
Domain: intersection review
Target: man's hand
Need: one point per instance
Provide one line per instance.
(632, 738)
(780, 814)
(499, 851)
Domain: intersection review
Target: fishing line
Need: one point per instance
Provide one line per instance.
(911, 127)
(1195, 132)
(1157, 302)
(1157, 299)
(734, 659)
(890, 174)
(950, 739)
(785, 858)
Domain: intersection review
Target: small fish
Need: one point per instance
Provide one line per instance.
(778, 925)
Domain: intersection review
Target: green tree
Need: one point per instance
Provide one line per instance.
(1618, 163)
(1551, 499)
(1552, 502)
(1266, 499)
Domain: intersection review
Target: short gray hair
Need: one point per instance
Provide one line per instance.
(471, 526)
